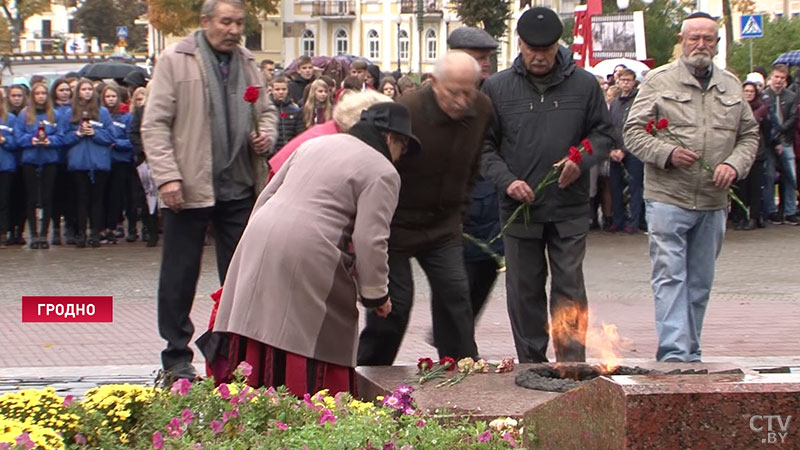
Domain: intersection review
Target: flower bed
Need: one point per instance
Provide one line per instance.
(202, 416)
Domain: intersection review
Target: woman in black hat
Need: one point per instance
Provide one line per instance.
(288, 306)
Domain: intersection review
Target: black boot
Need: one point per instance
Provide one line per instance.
(56, 240)
(34, 244)
(80, 240)
(94, 239)
(43, 234)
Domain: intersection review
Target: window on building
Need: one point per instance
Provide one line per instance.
(252, 41)
(72, 26)
(403, 44)
(374, 43)
(308, 43)
(47, 30)
(430, 44)
(341, 42)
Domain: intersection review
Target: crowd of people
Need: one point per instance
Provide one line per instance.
(69, 153)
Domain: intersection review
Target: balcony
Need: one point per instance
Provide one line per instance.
(334, 8)
(430, 7)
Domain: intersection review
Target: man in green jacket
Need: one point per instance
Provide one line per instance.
(688, 114)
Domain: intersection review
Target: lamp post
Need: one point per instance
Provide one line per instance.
(622, 5)
(447, 19)
(398, 21)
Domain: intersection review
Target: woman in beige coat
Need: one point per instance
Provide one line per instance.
(288, 307)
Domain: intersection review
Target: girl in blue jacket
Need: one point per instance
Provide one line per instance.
(8, 167)
(88, 135)
(63, 200)
(39, 141)
(119, 191)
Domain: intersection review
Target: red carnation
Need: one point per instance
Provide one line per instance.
(575, 155)
(662, 124)
(587, 146)
(649, 126)
(251, 94)
(425, 364)
(448, 362)
(284, 115)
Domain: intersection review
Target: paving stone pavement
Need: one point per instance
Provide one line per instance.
(753, 314)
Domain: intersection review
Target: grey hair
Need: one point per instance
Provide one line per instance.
(210, 6)
(444, 61)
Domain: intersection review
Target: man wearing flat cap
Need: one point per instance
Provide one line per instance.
(544, 104)
(686, 206)
(482, 220)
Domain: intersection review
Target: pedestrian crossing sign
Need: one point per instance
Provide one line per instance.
(752, 26)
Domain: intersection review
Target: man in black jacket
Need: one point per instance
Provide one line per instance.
(544, 104)
(625, 168)
(782, 120)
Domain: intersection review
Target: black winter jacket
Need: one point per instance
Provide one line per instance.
(533, 130)
(620, 107)
(290, 122)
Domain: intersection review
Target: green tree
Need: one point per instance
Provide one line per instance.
(100, 18)
(780, 35)
(662, 23)
(179, 16)
(22, 10)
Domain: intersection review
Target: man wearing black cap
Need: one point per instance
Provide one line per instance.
(545, 104)
(477, 43)
(687, 207)
(450, 117)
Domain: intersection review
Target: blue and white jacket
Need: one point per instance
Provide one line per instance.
(90, 153)
(8, 158)
(39, 154)
(122, 151)
(63, 113)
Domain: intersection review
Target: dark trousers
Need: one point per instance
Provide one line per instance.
(184, 237)
(63, 198)
(6, 180)
(749, 191)
(453, 326)
(635, 182)
(89, 201)
(18, 206)
(120, 196)
(481, 275)
(526, 276)
(39, 182)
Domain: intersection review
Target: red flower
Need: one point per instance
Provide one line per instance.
(587, 146)
(649, 126)
(575, 155)
(251, 94)
(662, 124)
(425, 364)
(284, 115)
(448, 362)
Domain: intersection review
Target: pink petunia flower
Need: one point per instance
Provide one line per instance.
(281, 426)
(197, 446)
(388, 446)
(68, 400)
(80, 439)
(187, 416)
(484, 437)
(181, 387)
(245, 368)
(216, 426)
(25, 441)
(174, 428)
(420, 423)
(327, 416)
(158, 440)
(224, 391)
(228, 415)
(508, 437)
(5, 446)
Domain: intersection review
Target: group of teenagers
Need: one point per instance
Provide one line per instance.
(69, 150)
(304, 96)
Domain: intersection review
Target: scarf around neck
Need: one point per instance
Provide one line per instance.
(230, 114)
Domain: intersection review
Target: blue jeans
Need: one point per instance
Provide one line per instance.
(635, 169)
(788, 181)
(684, 246)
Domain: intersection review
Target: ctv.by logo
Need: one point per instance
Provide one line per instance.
(777, 428)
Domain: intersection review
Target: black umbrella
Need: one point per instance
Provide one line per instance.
(109, 69)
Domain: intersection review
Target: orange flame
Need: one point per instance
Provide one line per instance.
(569, 325)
